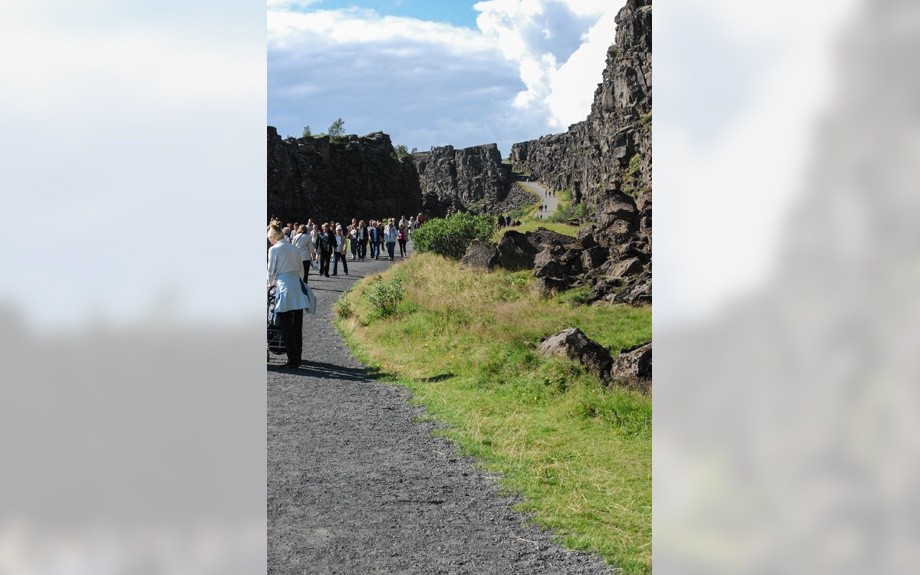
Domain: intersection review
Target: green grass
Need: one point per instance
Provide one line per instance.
(567, 210)
(530, 221)
(532, 225)
(465, 343)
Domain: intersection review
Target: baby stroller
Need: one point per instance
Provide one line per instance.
(275, 341)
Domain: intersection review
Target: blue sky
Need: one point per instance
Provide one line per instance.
(455, 12)
(436, 73)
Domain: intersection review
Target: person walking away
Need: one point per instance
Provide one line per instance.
(302, 243)
(389, 237)
(340, 252)
(285, 270)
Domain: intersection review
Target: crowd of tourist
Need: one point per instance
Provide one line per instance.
(325, 246)
(295, 249)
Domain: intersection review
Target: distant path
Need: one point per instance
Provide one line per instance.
(356, 485)
(552, 202)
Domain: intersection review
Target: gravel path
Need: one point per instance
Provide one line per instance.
(356, 485)
(552, 202)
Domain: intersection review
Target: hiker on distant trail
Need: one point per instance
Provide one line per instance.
(389, 236)
(340, 252)
(285, 270)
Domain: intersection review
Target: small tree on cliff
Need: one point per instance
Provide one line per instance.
(306, 132)
(337, 128)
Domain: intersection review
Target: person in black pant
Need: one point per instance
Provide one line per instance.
(362, 240)
(285, 272)
(339, 254)
(325, 250)
(373, 239)
(379, 226)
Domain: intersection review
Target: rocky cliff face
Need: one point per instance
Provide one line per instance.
(322, 178)
(605, 161)
(611, 149)
(472, 179)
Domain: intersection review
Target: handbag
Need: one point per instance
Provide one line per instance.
(311, 297)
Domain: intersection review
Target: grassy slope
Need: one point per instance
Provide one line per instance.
(465, 344)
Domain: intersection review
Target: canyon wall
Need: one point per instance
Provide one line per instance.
(339, 178)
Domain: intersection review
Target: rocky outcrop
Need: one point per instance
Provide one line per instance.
(633, 368)
(605, 161)
(339, 178)
(575, 345)
(481, 255)
(470, 179)
(516, 251)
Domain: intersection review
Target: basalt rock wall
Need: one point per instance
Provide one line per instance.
(472, 179)
(606, 163)
(611, 149)
(339, 178)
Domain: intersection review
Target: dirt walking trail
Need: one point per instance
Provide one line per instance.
(551, 201)
(356, 485)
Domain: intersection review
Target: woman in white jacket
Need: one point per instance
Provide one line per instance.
(285, 270)
(304, 246)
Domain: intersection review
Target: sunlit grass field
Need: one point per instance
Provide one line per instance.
(465, 343)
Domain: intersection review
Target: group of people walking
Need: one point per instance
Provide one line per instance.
(296, 248)
(327, 245)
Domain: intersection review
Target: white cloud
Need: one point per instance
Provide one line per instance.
(424, 83)
(571, 87)
(528, 71)
(356, 26)
(560, 49)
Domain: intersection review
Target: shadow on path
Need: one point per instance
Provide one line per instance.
(330, 370)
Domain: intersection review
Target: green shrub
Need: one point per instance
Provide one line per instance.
(384, 296)
(451, 236)
(343, 308)
(567, 211)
